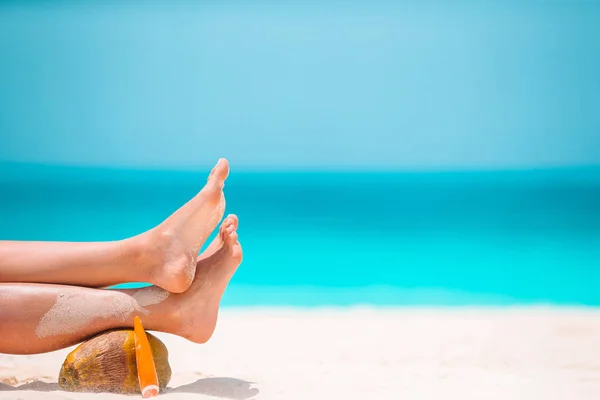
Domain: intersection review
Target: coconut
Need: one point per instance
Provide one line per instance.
(107, 363)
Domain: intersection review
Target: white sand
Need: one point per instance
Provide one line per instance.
(532, 353)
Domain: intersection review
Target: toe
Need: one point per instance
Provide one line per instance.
(225, 230)
(219, 172)
(234, 219)
(237, 253)
(225, 225)
(233, 237)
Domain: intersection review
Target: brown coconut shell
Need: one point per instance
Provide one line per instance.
(107, 363)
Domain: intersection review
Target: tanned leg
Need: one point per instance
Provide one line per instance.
(164, 256)
(38, 318)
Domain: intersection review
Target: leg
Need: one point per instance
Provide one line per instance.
(165, 255)
(38, 318)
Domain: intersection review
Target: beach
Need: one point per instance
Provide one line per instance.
(452, 275)
(416, 186)
(361, 352)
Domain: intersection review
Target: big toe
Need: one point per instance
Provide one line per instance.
(232, 220)
(219, 172)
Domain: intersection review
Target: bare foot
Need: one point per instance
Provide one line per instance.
(217, 243)
(174, 244)
(197, 309)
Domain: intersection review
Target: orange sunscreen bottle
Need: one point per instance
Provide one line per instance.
(145, 363)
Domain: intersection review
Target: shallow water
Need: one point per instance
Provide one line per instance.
(515, 237)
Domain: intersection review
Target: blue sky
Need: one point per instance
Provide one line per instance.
(305, 85)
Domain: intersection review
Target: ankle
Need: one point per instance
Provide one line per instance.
(169, 317)
(139, 256)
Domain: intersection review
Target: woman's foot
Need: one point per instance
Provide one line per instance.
(171, 249)
(195, 311)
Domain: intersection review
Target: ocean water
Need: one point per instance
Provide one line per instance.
(324, 238)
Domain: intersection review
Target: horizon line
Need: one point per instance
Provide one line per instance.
(296, 169)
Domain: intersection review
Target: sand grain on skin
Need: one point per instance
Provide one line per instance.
(150, 295)
(72, 312)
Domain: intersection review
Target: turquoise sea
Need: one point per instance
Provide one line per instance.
(323, 238)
